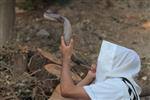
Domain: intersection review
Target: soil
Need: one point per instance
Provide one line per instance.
(125, 22)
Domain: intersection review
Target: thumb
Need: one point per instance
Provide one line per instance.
(62, 41)
(71, 42)
(93, 68)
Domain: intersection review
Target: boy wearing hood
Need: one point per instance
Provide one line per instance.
(114, 78)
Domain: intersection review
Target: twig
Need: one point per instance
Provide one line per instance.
(14, 94)
(42, 91)
(30, 61)
(34, 92)
(8, 68)
(52, 79)
(38, 70)
(8, 97)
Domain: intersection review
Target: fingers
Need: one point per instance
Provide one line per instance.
(63, 42)
(93, 68)
(71, 42)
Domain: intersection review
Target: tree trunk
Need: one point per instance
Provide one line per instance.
(7, 20)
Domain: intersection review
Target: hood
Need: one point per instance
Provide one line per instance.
(117, 61)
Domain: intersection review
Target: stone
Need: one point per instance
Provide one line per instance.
(42, 33)
(144, 78)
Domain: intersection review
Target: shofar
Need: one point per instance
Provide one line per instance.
(67, 33)
(67, 26)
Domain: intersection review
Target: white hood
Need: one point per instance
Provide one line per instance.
(117, 61)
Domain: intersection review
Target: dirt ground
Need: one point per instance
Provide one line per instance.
(126, 22)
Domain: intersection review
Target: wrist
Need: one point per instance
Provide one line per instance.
(66, 63)
(66, 58)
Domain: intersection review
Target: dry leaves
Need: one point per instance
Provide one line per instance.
(55, 68)
(49, 56)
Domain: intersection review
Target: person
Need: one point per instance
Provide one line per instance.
(111, 79)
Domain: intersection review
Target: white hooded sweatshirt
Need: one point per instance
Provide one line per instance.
(114, 62)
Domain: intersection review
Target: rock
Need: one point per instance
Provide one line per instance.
(19, 10)
(42, 33)
(28, 38)
(146, 25)
(144, 78)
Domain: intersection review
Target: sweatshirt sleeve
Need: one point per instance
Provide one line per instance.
(107, 90)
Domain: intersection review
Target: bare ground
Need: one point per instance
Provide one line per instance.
(122, 22)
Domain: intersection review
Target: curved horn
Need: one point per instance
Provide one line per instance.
(67, 26)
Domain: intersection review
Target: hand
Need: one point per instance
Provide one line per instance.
(92, 72)
(66, 50)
